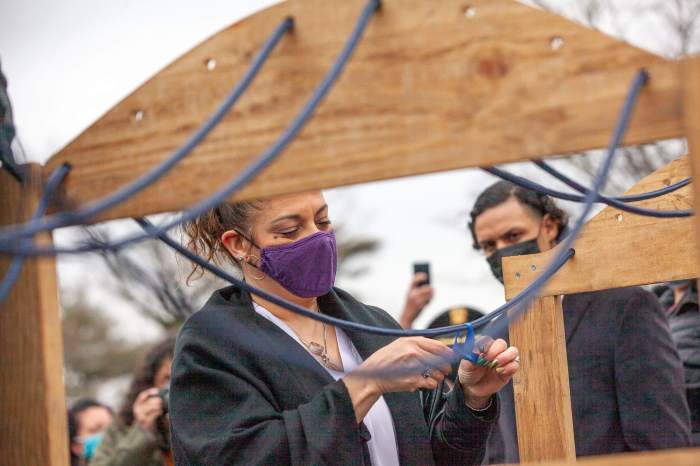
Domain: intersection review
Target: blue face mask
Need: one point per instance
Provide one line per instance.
(90, 444)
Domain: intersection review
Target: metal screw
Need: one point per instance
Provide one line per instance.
(533, 267)
(138, 115)
(470, 12)
(517, 275)
(211, 64)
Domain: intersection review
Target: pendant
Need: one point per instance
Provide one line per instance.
(327, 362)
(316, 349)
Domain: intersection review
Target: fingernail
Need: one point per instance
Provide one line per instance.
(480, 361)
(481, 348)
(494, 363)
(500, 370)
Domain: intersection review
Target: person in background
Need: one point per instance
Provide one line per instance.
(140, 436)
(625, 376)
(87, 421)
(680, 299)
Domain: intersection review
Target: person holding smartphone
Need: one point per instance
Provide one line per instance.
(420, 293)
(140, 435)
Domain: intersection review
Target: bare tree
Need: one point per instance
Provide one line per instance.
(683, 19)
(92, 352)
(678, 35)
(150, 279)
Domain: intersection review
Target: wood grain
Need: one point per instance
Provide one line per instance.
(32, 396)
(427, 90)
(542, 397)
(691, 120)
(677, 457)
(616, 249)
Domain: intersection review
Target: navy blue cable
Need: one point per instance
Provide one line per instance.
(15, 269)
(523, 297)
(626, 198)
(615, 202)
(97, 207)
(344, 324)
(527, 184)
(248, 172)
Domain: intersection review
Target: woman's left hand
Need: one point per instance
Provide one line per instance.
(481, 382)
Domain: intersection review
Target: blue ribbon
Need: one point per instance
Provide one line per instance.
(465, 350)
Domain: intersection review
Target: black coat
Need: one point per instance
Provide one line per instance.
(684, 322)
(244, 392)
(625, 377)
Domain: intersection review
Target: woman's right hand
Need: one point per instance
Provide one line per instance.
(147, 408)
(401, 366)
(398, 367)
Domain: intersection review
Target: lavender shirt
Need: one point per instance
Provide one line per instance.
(382, 447)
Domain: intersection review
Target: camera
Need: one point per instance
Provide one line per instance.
(164, 394)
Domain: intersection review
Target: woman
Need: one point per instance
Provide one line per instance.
(256, 384)
(87, 421)
(139, 437)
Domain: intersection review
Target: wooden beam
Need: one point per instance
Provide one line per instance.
(32, 397)
(676, 457)
(429, 88)
(691, 120)
(542, 397)
(621, 242)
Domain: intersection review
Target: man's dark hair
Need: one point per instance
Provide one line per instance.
(501, 191)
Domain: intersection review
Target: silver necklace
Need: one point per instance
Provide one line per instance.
(321, 351)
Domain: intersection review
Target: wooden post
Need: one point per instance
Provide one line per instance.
(691, 120)
(541, 387)
(32, 397)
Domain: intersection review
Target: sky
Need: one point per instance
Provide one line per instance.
(69, 62)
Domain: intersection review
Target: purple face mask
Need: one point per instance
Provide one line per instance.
(305, 268)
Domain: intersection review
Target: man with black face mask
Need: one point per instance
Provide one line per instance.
(626, 378)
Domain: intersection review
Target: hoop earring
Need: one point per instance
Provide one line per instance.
(261, 277)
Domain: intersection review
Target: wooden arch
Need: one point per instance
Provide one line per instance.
(432, 86)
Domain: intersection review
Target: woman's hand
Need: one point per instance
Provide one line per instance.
(404, 365)
(147, 408)
(481, 382)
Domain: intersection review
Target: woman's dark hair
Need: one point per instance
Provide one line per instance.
(501, 191)
(76, 408)
(144, 377)
(204, 233)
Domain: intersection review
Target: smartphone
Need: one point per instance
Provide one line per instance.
(423, 267)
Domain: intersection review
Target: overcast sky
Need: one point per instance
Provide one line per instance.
(68, 62)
